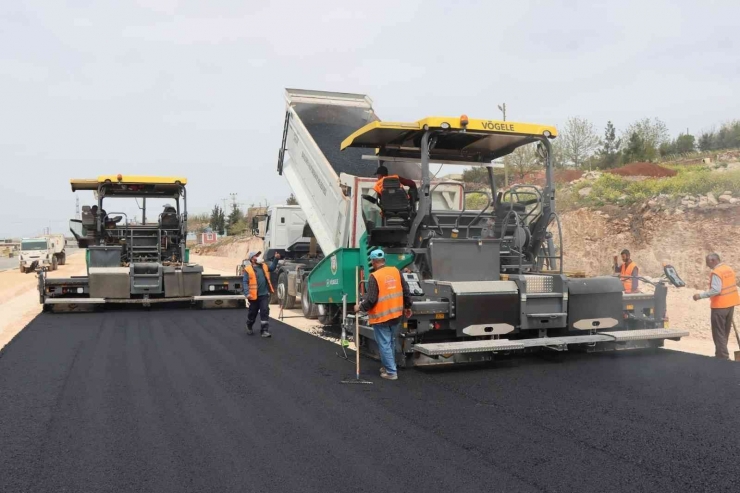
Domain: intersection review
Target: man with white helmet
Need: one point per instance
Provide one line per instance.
(258, 288)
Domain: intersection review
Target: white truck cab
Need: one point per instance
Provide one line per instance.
(45, 251)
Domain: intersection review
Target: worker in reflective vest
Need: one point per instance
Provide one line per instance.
(258, 289)
(382, 173)
(723, 298)
(387, 300)
(628, 273)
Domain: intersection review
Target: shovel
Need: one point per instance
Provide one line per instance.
(737, 353)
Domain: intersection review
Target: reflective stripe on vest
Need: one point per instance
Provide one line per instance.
(253, 281)
(390, 296)
(626, 272)
(379, 184)
(729, 295)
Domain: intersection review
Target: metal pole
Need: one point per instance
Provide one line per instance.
(425, 202)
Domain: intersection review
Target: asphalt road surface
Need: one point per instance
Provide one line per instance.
(179, 400)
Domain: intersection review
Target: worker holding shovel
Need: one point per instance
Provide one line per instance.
(724, 297)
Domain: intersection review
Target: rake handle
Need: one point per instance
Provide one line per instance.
(357, 323)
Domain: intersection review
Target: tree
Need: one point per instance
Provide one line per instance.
(217, 221)
(636, 150)
(292, 200)
(235, 217)
(685, 143)
(523, 160)
(609, 152)
(706, 141)
(651, 134)
(579, 140)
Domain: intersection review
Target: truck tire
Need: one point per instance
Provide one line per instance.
(310, 309)
(22, 269)
(329, 314)
(284, 299)
(62, 258)
(54, 262)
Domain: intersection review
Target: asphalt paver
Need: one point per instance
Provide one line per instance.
(184, 400)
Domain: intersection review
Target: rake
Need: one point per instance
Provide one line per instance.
(357, 379)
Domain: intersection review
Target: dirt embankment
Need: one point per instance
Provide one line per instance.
(237, 247)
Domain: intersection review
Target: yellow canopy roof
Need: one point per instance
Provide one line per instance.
(478, 141)
(92, 184)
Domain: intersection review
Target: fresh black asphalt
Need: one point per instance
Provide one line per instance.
(183, 400)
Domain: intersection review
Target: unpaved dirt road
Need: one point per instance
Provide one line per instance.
(19, 299)
(183, 400)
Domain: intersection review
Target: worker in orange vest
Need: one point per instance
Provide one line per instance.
(723, 298)
(382, 173)
(387, 300)
(628, 272)
(258, 288)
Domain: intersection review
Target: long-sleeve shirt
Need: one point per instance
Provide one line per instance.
(635, 273)
(371, 295)
(715, 287)
(262, 287)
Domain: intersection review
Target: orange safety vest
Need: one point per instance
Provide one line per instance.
(729, 295)
(379, 184)
(626, 276)
(253, 281)
(390, 296)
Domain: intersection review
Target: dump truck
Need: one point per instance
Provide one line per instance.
(284, 230)
(48, 251)
(483, 282)
(142, 263)
(328, 184)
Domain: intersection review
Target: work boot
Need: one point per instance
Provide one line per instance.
(383, 371)
(250, 332)
(389, 376)
(266, 334)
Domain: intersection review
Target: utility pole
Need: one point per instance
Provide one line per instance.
(77, 207)
(233, 200)
(503, 110)
(224, 202)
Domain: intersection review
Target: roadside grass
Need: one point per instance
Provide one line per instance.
(690, 180)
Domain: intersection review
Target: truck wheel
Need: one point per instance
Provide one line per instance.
(310, 309)
(329, 314)
(54, 263)
(284, 299)
(62, 258)
(22, 269)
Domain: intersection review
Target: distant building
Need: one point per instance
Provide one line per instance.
(207, 237)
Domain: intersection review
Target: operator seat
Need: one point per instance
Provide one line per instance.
(168, 219)
(395, 207)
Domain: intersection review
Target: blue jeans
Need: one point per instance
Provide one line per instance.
(385, 337)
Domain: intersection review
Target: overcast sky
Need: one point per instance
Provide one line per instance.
(195, 88)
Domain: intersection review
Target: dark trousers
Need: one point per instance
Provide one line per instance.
(721, 327)
(262, 306)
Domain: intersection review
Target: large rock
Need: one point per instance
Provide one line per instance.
(712, 199)
(585, 192)
(727, 192)
(734, 200)
(725, 199)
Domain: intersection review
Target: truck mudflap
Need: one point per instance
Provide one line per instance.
(611, 339)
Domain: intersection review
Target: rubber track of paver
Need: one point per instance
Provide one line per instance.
(180, 401)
